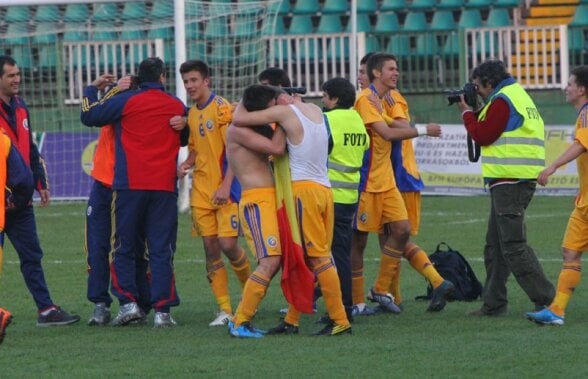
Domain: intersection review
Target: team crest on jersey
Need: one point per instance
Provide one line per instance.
(201, 130)
(272, 241)
(209, 124)
(89, 211)
(25, 124)
(363, 217)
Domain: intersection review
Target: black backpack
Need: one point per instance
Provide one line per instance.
(452, 266)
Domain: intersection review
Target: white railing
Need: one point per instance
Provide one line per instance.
(84, 61)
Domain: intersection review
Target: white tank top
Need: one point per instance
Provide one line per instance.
(308, 159)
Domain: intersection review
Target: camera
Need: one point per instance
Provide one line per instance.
(469, 92)
(293, 90)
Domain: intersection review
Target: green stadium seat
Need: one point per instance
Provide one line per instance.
(498, 17)
(162, 9)
(426, 44)
(372, 43)
(415, 22)
(450, 4)
(105, 34)
(422, 5)
(480, 4)
(339, 50)
(451, 45)
(134, 10)
(470, 18)
(363, 23)
(576, 39)
(196, 50)
(399, 45)
(306, 7)
(301, 24)
(221, 53)
(334, 6)
(76, 13)
(47, 13)
(244, 26)
(442, 21)
(387, 23)
(274, 54)
(164, 33)
(105, 12)
(279, 29)
(132, 34)
(329, 23)
(367, 6)
(17, 14)
(284, 7)
(47, 57)
(393, 5)
(581, 16)
(75, 35)
(46, 32)
(216, 27)
(506, 3)
(23, 56)
(16, 34)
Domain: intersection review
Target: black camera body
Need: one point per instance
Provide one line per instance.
(293, 90)
(469, 92)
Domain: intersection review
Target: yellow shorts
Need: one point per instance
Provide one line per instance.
(576, 235)
(222, 221)
(315, 213)
(412, 202)
(374, 210)
(259, 220)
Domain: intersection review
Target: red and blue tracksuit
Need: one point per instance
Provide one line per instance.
(21, 227)
(144, 184)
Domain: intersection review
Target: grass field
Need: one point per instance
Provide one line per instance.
(412, 344)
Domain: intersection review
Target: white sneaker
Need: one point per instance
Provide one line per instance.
(163, 320)
(222, 318)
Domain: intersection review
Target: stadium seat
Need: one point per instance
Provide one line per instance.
(164, 33)
(451, 45)
(367, 6)
(415, 22)
(498, 17)
(576, 39)
(363, 23)
(442, 21)
(105, 32)
(422, 5)
(75, 34)
(221, 53)
(279, 29)
(393, 5)
(17, 14)
(506, 3)
(330, 23)
(373, 43)
(426, 44)
(134, 10)
(301, 24)
(196, 50)
(306, 7)
(470, 18)
(76, 13)
(47, 13)
(450, 4)
(22, 54)
(16, 34)
(130, 34)
(162, 9)
(334, 6)
(387, 23)
(480, 4)
(46, 32)
(243, 26)
(104, 12)
(399, 45)
(216, 27)
(284, 7)
(581, 16)
(47, 56)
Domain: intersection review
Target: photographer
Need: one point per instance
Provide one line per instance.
(510, 131)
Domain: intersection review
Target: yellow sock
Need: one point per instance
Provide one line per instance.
(331, 288)
(389, 261)
(241, 268)
(395, 285)
(293, 315)
(253, 293)
(419, 260)
(218, 279)
(357, 285)
(569, 278)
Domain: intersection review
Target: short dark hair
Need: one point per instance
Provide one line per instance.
(342, 89)
(581, 74)
(490, 72)
(5, 59)
(275, 76)
(256, 97)
(376, 62)
(150, 70)
(366, 57)
(195, 65)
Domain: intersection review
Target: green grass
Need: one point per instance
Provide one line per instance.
(412, 344)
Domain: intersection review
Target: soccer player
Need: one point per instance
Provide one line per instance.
(16, 182)
(307, 143)
(381, 207)
(215, 193)
(248, 151)
(145, 183)
(20, 226)
(575, 240)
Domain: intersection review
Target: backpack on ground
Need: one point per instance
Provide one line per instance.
(452, 266)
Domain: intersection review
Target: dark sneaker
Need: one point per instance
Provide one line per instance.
(163, 320)
(333, 329)
(5, 320)
(57, 317)
(283, 328)
(128, 313)
(440, 295)
(386, 301)
(101, 315)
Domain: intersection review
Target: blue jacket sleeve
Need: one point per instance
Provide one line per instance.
(19, 179)
(106, 111)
